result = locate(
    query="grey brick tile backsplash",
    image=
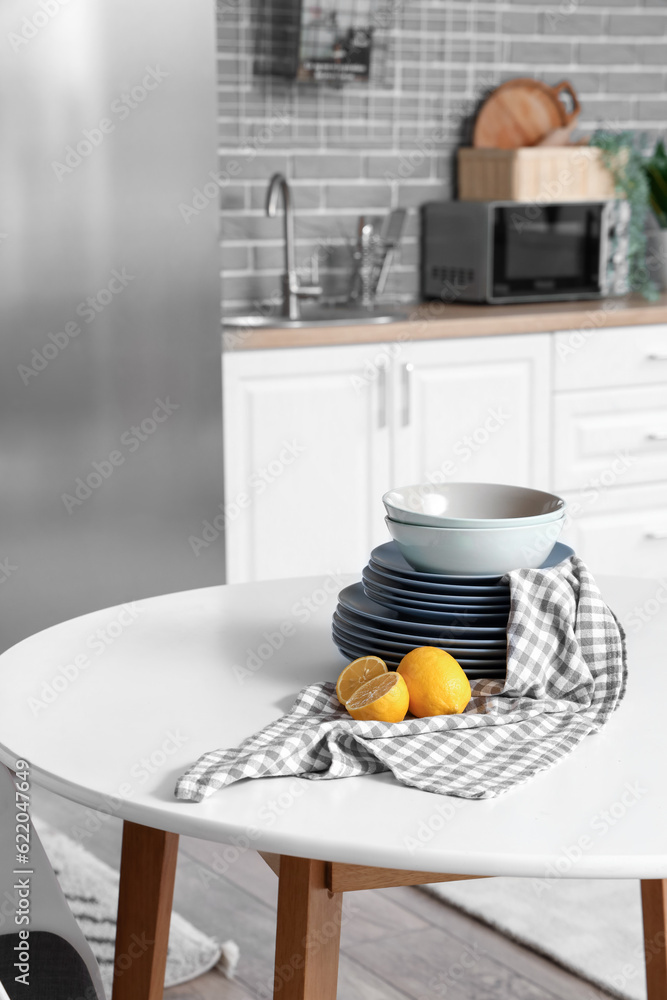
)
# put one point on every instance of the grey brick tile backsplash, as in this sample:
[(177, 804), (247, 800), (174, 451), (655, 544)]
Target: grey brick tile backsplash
[(400, 166), (648, 25), (367, 148), (233, 197), (332, 224), (250, 289), (237, 226), (414, 195), (362, 196), (652, 110), (584, 81), (519, 22), (267, 257), (542, 51), (565, 19), (610, 113), (607, 53), (235, 258), (653, 55), (636, 83), (241, 166), (329, 167)]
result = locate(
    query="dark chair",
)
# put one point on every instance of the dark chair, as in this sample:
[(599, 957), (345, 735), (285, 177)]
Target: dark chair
[(61, 964)]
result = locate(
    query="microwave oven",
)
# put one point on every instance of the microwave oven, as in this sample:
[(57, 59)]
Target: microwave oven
[(505, 251)]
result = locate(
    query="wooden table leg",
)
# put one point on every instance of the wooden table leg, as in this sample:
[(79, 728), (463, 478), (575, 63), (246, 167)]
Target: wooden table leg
[(654, 905), (147, 872), (308, 932)]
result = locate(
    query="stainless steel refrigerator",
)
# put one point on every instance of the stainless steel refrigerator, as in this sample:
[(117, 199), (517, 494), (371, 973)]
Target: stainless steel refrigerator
[(110, 436)]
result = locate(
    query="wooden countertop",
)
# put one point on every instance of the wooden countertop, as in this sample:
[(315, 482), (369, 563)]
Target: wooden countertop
[(436, 321)]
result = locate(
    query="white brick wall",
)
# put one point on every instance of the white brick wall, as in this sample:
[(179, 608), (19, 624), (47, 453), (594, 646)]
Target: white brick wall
[(367, 148)]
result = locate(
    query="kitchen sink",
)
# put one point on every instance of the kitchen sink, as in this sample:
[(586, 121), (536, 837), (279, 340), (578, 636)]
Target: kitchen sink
[(318, 316)]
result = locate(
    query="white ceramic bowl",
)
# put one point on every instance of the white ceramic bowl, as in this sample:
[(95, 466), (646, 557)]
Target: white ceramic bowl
[(475, 550), (472, 505)]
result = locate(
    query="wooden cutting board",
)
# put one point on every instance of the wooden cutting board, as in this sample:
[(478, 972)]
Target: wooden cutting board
[(522, 112)]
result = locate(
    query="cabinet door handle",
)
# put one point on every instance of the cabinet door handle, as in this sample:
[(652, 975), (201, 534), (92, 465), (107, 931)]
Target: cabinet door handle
[(656, 536), (656, 357), (408, 369), (657, 436), (382, 395)]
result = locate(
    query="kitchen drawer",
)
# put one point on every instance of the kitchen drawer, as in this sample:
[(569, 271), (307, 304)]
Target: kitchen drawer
[(589, 358), (617, 436), (620, 532)]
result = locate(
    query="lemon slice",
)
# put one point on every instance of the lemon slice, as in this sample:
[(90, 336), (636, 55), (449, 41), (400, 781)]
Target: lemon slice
[(381, 699), (357, 673)]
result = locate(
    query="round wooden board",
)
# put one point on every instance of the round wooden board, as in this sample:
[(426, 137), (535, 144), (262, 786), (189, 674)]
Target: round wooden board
[(521, 112)]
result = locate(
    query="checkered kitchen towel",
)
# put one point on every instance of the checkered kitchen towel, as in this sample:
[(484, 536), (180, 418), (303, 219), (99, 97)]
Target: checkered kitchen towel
[(566, 674)]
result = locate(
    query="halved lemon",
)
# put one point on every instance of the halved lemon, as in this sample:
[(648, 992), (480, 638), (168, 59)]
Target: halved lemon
[(356, 674), (381, 699)]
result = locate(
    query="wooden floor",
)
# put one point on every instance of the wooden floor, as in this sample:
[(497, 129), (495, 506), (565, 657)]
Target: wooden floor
[(397, 944)]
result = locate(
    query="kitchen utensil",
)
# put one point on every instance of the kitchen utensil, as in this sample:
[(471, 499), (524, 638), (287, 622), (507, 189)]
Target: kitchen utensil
[(416, 633), (349, 636), (355, 599), (558, 136), (395, 587), (482, 613), (414, 612), (434, 602), (390, 558), (420, 583), (491, 650), (521, 112), (390, 237), (472, 505), (474, 550), (362, 280), (474, 669)]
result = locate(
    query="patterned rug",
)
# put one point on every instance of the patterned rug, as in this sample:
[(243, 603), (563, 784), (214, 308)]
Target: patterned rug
[(593, 927), (91, 888)]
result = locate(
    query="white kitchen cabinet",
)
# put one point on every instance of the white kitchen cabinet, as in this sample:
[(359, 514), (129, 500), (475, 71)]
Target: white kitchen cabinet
[(620, 530), (475, 409), (610, 446), (620, 432), (306, 460), (597, 359), (314, 436)]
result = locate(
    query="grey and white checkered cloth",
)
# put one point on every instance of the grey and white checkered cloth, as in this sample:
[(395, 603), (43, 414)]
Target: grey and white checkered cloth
[(566, 674)]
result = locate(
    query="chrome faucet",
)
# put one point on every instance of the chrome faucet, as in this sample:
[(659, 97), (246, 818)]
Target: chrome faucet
[(292, 290)]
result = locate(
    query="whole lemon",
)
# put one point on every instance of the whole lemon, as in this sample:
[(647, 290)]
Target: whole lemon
[(436, 682)]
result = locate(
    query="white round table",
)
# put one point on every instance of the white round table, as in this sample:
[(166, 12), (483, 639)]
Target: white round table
[(110, 708)]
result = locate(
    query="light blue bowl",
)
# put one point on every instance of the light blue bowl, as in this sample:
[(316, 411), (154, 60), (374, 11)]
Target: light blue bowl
[(472, 505), (472, 551)]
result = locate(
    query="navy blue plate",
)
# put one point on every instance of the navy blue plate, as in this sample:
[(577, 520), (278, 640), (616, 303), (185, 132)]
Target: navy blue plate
[(356, 638), (455, 590), (355, 599), (418, 634), (476, 669)]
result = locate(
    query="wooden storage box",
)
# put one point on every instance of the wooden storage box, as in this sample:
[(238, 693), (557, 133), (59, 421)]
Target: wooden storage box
[(541, 174)]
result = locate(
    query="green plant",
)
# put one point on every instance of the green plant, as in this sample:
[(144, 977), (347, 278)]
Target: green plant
[(656, 173), (623, 158)]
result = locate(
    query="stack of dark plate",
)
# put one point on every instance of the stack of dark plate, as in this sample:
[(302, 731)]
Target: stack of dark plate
[(396, 608)]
